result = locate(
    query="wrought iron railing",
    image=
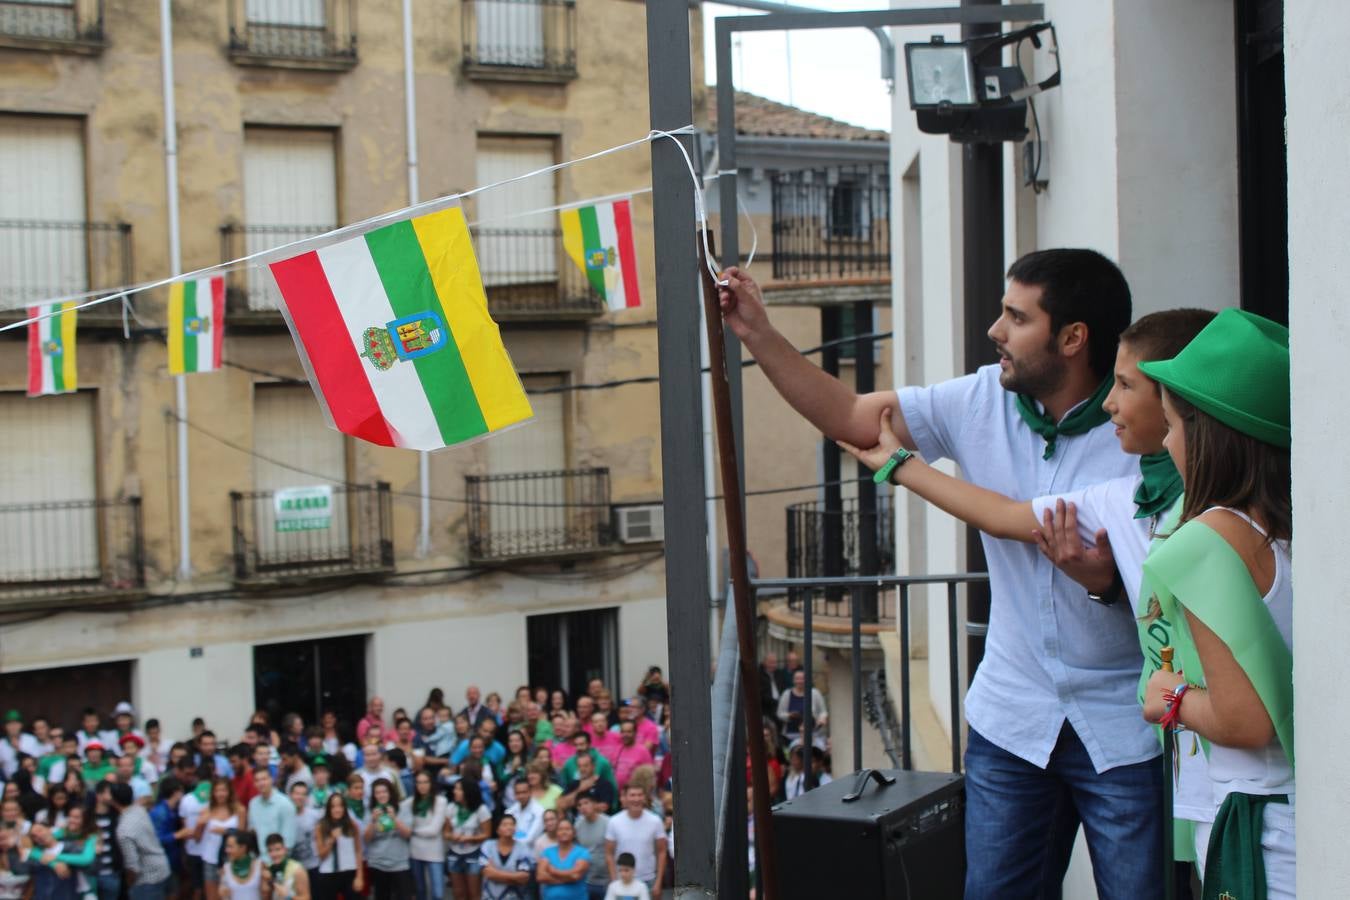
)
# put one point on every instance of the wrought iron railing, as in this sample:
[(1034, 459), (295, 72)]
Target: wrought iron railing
[(527, 275), (71, 548), (309, 33), (523, 38), (353, 536), (43, 259), (832, 223), (521, 515), (828, 542), (52, 21), (249, 292)]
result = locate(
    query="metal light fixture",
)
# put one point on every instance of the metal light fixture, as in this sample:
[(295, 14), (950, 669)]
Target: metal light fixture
[(963, 90)]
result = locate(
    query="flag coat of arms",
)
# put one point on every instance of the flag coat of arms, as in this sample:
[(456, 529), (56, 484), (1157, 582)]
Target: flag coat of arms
[(394, 329), (599, 239), (51, 350), (196, 325)]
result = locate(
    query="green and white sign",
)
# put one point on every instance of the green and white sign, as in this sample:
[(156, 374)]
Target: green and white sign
[(304, 508)]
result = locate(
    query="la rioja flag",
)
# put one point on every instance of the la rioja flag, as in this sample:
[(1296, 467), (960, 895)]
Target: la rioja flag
[(51, 350)]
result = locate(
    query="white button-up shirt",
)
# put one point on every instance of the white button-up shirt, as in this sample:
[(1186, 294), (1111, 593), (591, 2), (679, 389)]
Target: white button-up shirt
[(1051, 653)]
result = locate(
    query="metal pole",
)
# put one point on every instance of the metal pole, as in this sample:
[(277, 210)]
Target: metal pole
[(766, 859), (677, 285), (410, 116), (176, 267)]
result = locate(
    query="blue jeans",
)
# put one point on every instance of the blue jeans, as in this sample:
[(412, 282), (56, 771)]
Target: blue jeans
[(109, 886), (596, 891), (1021, 822), (429, 879), (155, 891)]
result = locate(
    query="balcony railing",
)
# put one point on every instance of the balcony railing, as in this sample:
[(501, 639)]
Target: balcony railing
[(526, 40), (832, 224), (823, 542), (528, 276), (527, 515), (306, 34), (250, 295), (75, 548), (71, 25), (354, 537), (42, 259)]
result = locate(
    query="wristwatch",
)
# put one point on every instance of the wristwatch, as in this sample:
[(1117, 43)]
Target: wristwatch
[(1111, 594), (898, 459)]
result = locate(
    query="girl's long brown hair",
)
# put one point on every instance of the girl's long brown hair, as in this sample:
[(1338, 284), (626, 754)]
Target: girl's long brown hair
[(325, 825), (1225, 467)]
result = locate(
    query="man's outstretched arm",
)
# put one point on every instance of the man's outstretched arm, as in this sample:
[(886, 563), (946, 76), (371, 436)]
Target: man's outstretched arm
[(823, 400)]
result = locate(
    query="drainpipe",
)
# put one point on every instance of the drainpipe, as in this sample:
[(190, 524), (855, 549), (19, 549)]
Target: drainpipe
[(883, 39), (176, 267), (410, 113)]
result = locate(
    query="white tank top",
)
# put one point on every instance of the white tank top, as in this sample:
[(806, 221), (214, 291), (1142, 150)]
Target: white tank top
[(1267, 770), (212, 840), (249, 888)]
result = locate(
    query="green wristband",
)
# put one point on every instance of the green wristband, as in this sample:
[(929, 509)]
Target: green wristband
[(897, 459)]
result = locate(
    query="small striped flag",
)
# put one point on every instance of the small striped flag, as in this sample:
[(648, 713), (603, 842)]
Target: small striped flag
[(196, 325), (51, 350), (394, 329), (599, 239)]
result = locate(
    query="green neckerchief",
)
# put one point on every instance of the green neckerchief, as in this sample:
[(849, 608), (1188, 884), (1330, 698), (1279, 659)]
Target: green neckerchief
[(278, 870), (356, 806), (1084, 417), (203, 790), (242, 866), (1197, 569), (1161, 485), (462, 814), (1234, 866), (422, 806)]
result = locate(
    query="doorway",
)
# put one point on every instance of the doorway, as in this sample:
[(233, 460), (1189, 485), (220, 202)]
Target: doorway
[(308, 677), (567, 650)]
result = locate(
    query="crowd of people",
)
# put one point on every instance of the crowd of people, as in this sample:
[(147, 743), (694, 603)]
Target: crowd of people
[(544, 796)]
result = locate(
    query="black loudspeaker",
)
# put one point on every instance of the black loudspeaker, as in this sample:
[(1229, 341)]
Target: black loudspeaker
[(884, 834)]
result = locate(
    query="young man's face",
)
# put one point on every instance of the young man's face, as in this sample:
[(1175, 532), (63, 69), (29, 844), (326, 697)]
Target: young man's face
[(522, 794), (207, 744), (1028, 352), (262, 780), (262, 755), (90, 723), (1135, 406), (300, 797), (634, 800), (40, 730), (626, 873), (506, 828), (276, 852)]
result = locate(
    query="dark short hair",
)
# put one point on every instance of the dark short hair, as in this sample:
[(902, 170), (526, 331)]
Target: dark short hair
[(120, 793), (208, 733), (168, 786), (274, 839), (506, 816), (239, 751), (1162, 335), (151, 723), (625, 859), (1080, 286), (262, 770), (290, 749)]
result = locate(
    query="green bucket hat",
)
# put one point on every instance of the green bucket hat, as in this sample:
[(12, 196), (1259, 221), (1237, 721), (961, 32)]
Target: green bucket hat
[(13, 716), (1236, 370)]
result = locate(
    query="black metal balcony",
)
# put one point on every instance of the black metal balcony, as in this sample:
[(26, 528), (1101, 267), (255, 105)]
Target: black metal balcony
[(832, 224), (525, 515), (296, 34), (72, 26), (44, 259), (825, 543), (528, 276), (520, 40), (64, 550), (250, 296), (354, 537)]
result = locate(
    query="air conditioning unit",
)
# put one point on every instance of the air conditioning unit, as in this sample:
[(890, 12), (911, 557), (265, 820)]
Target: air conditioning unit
[(640, 524)]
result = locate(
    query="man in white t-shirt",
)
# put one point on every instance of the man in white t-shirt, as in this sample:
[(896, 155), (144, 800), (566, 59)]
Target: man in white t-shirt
[(639, 831), (189, 809)]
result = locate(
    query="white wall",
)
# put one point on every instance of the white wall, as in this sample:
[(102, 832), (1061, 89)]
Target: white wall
[(174, 687), (1318, 128)]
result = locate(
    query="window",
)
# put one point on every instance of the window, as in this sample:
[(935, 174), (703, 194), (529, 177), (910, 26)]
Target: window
[(295, 13), (309, 677), (510, 32), (288, 426), (539, 446), (290, 193), (847, 209), (42, 209), (515, 249), (48, 447), (567, 650)]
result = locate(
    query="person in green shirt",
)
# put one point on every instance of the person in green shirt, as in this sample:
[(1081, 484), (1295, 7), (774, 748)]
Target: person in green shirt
[(97, 766), (582, 742)]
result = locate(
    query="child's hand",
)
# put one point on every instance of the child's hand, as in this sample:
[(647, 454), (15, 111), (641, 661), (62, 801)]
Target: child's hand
[(887, 443), (1159, 684)]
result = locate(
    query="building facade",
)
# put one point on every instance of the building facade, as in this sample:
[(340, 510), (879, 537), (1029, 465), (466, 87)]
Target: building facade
[(540, 560)]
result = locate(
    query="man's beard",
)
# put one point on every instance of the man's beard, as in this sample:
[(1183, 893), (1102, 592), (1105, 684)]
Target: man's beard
[(1034, 377)]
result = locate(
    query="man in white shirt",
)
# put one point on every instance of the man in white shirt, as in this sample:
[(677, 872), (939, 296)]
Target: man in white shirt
[(15, 742), (529, 815), (1055, 730), (639, 831)]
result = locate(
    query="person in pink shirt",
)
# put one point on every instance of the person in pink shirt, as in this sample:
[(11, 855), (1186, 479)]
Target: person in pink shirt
[(630, 754), (648, 732), (560, 748), (374, 716), (602, 739)]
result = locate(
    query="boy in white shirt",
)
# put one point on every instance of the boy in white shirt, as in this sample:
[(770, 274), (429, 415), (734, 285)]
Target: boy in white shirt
[(626, 886)]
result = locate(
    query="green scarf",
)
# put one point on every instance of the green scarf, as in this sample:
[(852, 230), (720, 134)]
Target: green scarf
[(278, 870), (1161, 485), (356, 806), (1085, 417), (1235, 866), (422, 806), (1197, 569), (242, 866)]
